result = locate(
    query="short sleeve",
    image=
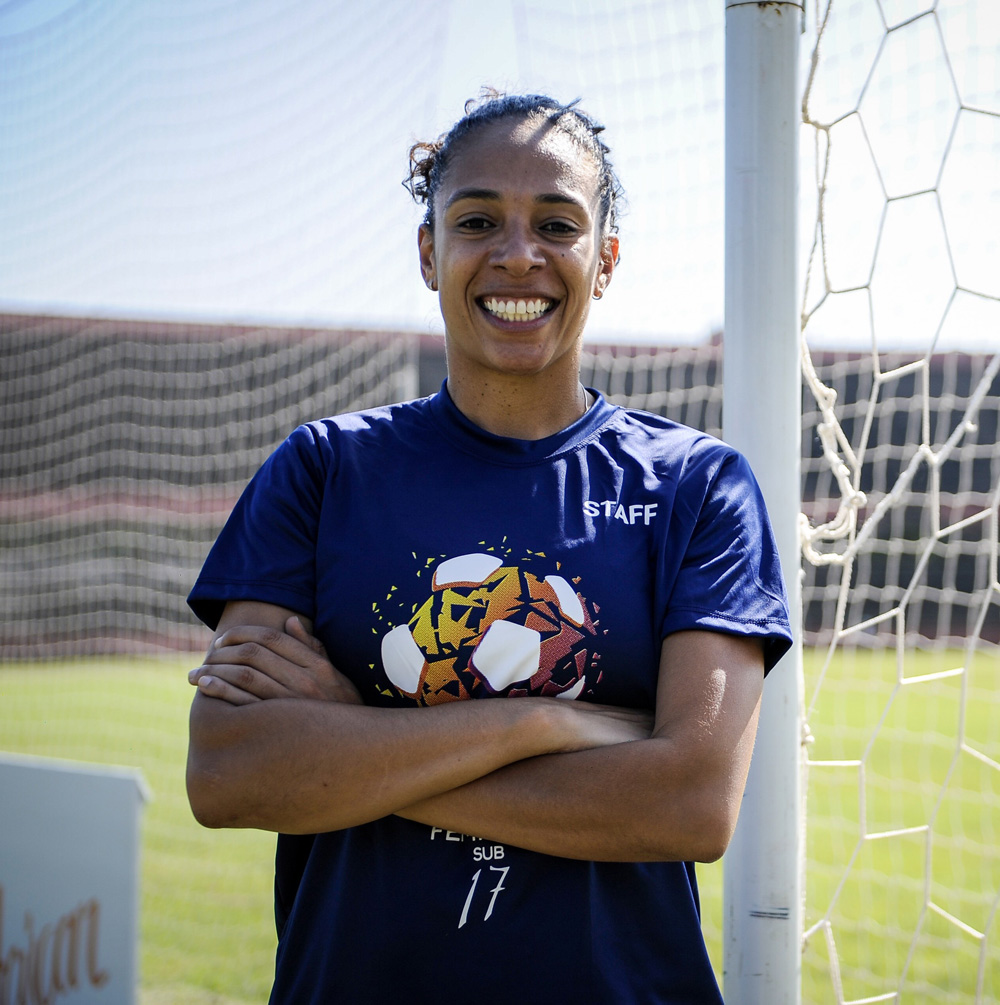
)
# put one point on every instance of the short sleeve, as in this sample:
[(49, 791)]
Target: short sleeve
[(729, 578), (266, 551)]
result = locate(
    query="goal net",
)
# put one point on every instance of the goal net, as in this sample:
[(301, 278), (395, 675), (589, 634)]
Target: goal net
[(901, 497), (125, 446)]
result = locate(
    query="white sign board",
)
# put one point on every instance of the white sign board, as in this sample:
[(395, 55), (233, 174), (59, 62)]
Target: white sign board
[(69, 882)]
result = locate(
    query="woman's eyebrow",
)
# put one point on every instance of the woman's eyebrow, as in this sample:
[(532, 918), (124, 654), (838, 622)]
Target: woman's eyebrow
[(458, 195), (561, 198), (491, 195)]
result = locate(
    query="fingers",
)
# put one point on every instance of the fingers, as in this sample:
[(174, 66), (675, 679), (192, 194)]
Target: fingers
[(235, 683), (295, 628), (253, 644), (270, 663), (639, 715), (248, 663), (267, 662), (613, 724), (216, 687)]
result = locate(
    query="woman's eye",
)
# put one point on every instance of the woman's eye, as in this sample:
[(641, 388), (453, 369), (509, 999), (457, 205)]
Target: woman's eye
[(474, 223), (559, 228)]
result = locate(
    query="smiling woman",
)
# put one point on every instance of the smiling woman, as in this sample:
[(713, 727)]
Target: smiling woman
[(518, 238), (389, 573)]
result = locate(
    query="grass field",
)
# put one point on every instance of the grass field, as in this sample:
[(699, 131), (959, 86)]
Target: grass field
[(207, 934), (931, 810), (206, 926)]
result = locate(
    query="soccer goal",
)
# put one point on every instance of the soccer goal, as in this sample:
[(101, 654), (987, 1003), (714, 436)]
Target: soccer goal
[(898, 743)]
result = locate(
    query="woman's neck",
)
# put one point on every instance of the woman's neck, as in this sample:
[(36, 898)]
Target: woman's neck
[(525, 408)]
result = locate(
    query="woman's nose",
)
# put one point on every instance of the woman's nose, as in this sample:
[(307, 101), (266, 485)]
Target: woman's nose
[(517, 251)]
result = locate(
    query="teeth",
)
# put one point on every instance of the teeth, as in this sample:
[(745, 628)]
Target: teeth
[(517, 310)]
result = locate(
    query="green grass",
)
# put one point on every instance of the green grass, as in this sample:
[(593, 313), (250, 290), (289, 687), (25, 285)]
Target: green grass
[(207, 931), (207, 934), (938, 806)]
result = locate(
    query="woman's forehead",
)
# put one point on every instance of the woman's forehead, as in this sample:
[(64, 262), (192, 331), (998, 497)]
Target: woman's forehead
[(517, 153)]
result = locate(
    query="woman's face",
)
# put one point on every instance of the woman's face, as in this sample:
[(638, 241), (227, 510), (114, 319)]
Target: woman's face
[(516, 251)]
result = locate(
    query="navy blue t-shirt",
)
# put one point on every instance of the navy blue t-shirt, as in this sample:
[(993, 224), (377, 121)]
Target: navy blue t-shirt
[(439, 562)]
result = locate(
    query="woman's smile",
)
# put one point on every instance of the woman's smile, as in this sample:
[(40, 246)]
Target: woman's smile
[(517, 310)]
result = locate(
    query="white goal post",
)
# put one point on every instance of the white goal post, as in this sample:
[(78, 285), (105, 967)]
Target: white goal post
[(763, 884), (900, 496)]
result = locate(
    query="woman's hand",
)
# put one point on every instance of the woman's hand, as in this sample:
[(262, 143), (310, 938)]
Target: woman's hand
[(585, 724), (249, 663)]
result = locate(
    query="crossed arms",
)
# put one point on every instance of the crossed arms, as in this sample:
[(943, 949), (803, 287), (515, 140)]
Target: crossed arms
[(280, 740)]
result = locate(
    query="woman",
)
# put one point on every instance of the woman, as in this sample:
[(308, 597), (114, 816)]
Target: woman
[(514, 535)]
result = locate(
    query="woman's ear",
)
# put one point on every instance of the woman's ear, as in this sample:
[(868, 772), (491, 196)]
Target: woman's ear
[(609, 259), (611, 248), (425, 246)]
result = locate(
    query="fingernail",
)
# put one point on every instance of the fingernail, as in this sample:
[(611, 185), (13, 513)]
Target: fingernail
[(205, 681)]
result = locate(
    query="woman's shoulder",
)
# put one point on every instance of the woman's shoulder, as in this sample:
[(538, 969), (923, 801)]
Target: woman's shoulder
[(662, 436), (322, 444), (373, 420)]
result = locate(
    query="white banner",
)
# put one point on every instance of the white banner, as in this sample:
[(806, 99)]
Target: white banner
[(69, 882)]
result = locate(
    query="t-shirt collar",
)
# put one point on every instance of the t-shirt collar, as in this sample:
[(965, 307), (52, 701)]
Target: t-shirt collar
[(507, 449)]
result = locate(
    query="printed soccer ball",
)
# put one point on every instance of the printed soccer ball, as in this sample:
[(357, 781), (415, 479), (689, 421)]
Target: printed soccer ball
[(493, 626)]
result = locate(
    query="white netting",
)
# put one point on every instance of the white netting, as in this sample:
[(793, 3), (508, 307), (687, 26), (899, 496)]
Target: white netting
[(124, 447), (901, 499), (684, 384), (234, 161)]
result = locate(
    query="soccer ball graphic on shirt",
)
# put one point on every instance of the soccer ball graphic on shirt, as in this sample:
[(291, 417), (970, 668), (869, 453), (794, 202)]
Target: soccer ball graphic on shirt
[(488, 627)]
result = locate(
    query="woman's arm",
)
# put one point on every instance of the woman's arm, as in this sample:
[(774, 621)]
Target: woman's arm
[(675, 796), (324, 762)]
